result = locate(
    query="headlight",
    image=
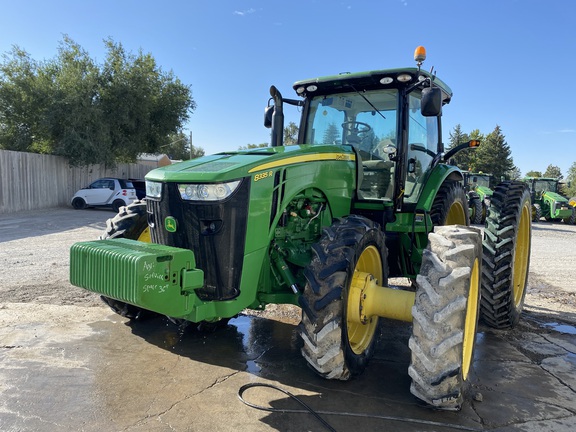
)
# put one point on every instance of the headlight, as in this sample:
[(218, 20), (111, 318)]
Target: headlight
[(207, 192), (153, 189)]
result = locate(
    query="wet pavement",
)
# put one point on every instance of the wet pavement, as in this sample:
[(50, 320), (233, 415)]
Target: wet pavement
[(88, 369)]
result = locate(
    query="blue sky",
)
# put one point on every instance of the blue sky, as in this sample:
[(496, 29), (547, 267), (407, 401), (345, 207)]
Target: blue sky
[(509, 62)]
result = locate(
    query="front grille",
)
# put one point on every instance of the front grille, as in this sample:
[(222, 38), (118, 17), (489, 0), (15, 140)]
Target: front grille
[(214, 231)]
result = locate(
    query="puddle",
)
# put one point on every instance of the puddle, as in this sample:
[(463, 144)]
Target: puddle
[(245, 327), (561, 328)]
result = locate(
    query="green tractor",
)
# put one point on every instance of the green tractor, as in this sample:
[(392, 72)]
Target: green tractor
[(547, 201), (479, 195), (364, 196)]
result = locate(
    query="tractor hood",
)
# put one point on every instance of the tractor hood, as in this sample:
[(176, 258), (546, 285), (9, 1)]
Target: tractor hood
[(485, 191), (553, 196), (234, 165)]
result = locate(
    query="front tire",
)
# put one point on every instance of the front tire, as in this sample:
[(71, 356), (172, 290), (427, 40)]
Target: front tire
[(79, 203), (536, 213), (477, 211), (335, 347), (445, 316), (131, 223), (506, 249)]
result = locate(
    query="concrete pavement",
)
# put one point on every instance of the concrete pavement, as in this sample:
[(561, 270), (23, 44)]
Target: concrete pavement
[(88, 369)]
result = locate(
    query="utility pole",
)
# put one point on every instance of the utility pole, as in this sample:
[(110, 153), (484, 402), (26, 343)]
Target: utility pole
[(190, 143)]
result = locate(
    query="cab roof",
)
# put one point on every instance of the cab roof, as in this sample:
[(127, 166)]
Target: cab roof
[(370, 80)]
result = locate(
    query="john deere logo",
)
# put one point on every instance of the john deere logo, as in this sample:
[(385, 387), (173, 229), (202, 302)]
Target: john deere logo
[(170, 224)]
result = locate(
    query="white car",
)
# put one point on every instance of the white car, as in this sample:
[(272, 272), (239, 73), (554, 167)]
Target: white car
[(105, 192)]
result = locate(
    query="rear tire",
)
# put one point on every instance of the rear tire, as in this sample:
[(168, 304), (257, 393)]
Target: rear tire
[(334, 347), (506, 254), (450, 205), (117, 204), (445, 315)]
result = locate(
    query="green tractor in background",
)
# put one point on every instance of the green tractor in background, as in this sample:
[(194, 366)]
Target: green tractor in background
[(547, 201), (364, 196), (479, 195)]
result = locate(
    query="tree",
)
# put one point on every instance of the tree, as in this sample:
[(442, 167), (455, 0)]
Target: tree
[(570, 188), (494, 156), (21, 99), (553, 172), (91, 114), (179, 147), (533, 174), (463, 158), (291, 134), (515, 174), (331, 135), (290, 137), (253, 146)]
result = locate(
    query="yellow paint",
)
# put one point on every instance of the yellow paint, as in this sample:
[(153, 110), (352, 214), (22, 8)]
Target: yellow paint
[(362, 333), (145, 236), (471, 320), (305, 158), (522, 252), (368, 299)]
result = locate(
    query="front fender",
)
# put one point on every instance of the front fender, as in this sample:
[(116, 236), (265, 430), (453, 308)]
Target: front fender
[(438, 175)]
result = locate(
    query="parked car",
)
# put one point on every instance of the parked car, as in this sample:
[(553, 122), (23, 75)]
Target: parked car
[(105, 192), (140, 186)]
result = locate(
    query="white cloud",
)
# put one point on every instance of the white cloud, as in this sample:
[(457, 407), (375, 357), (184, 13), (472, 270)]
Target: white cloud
[(562, 131), (245, 12)]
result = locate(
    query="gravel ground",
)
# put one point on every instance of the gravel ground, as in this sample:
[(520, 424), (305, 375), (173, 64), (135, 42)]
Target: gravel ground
[(34, 260)]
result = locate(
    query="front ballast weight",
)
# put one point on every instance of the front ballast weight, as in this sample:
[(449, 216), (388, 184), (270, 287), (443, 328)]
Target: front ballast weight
[(152, 276)]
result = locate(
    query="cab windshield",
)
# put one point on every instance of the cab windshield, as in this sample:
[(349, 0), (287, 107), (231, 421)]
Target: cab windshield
[(480, 180), (545, 186), (366, 121)]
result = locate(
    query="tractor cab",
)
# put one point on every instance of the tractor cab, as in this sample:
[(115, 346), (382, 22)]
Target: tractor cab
[(389, 119), (476, 180)]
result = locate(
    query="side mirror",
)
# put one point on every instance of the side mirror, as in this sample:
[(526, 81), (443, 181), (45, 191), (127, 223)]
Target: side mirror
[(268, 111), (431, 104)]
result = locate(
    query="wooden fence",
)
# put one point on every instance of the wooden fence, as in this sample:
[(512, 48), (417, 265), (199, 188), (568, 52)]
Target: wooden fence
[(30, 181)]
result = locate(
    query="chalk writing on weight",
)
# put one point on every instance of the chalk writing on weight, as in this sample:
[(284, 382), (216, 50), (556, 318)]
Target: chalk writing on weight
[(153, 275), (155, 287)]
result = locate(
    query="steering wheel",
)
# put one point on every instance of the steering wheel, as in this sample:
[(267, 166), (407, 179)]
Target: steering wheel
[(353, 126)]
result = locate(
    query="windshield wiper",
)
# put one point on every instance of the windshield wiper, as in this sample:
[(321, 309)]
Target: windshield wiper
[(367, 101)]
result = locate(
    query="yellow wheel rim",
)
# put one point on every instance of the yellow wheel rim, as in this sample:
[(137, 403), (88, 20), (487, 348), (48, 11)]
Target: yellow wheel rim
[(521, 253), (145, 236), (471, 320), (361, 335), (456, 214)]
